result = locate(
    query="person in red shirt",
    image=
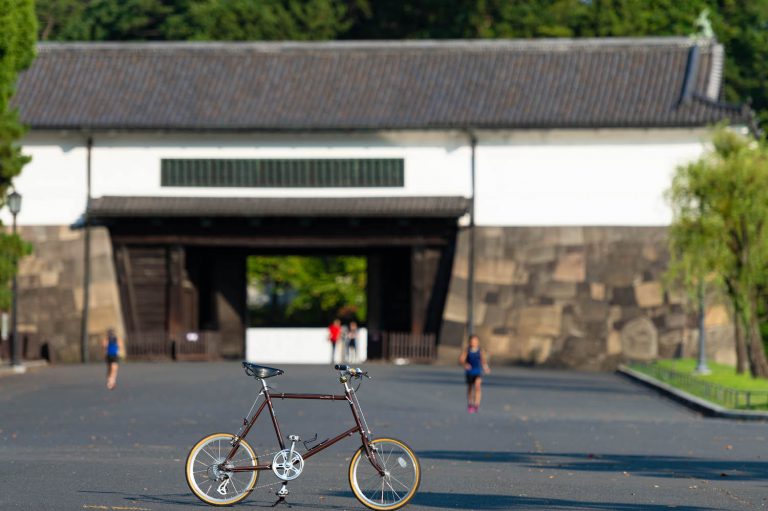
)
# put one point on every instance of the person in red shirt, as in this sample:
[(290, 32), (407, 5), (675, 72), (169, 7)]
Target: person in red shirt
[(334, 334)]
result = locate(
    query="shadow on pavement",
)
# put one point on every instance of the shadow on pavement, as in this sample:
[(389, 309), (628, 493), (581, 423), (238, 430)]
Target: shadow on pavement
[(523, 383), (653, 466), (486, 501)]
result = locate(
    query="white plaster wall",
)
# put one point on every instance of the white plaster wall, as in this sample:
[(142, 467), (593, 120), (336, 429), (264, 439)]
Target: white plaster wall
[(298, 346), (53, 184), (580, 178), (130, 164), (588, 177)]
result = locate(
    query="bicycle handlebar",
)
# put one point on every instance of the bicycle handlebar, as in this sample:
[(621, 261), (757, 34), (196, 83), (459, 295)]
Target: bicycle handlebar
[(351, 371)]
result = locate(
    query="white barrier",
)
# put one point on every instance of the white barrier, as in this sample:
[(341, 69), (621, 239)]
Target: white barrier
[(298, 346)]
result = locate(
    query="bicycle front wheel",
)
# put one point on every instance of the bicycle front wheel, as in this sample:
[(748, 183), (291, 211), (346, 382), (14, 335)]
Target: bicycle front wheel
[(398, 485), (208, 476)]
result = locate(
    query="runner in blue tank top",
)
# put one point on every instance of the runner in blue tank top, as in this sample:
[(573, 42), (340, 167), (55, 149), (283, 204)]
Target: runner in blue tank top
[(475, 365), (114, 347)]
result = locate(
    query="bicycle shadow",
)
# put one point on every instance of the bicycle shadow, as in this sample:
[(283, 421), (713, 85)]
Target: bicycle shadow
[(187, 500), (480, 501), (649, 466)]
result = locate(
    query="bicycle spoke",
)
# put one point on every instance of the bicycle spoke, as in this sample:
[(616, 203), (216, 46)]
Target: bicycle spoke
[(399, 481), (393, 490), (209, 454), (388, 456)]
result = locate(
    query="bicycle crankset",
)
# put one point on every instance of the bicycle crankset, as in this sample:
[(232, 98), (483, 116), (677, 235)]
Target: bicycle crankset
[(287, 464)]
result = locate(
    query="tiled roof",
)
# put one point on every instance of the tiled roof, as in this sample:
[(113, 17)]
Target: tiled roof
[(361, 207), (559, 83)]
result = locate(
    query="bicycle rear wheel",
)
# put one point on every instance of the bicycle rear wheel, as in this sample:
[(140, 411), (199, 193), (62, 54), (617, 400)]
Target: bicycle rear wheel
[(398, 485), (213, 484)]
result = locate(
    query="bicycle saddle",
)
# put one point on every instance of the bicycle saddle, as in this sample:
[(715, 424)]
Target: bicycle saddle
[(261, 372)]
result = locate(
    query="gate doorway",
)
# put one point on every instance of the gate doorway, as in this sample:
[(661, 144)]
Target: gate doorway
[(183, 272)]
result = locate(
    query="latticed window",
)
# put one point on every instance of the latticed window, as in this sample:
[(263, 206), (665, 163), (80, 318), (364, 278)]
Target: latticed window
[(283, 173)]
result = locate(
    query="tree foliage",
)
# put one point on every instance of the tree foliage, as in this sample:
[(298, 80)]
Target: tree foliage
[(307, 290), (225, 20), (18, 29), (720, 233), (741, 25)]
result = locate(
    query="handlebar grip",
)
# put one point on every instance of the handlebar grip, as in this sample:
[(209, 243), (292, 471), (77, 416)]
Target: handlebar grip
[(341, 367)]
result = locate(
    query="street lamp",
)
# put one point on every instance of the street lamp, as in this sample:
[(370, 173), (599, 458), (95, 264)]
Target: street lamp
[(14, 205)]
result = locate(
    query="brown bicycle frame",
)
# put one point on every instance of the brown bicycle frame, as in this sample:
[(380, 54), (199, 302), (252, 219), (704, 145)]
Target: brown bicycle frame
[(347, 396)]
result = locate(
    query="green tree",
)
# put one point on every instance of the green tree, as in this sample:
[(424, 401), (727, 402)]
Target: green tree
[(244, 20), (18, 26), (309, 290), (226, 20), (720, 229)]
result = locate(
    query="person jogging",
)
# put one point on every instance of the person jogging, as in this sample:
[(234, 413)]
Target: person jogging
[(114, 348), (475, 366)]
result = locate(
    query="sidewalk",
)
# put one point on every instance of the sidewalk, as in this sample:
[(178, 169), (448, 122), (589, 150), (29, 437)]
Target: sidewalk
[(7, 370)]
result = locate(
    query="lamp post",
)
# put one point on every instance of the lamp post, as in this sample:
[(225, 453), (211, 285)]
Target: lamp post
[(701, 366), (14, 205)]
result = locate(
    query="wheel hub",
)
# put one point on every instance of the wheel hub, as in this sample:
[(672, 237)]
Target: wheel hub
[(215, 471)]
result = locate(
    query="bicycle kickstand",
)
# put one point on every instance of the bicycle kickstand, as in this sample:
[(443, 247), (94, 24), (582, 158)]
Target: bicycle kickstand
[(281, 494)]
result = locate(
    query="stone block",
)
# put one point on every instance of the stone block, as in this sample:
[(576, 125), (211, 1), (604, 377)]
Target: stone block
[(539, 349), (650, 253), (65, 233), (717, 316), (640, 339), (456, 308), (649, 294), (613, 343), (597, 291), (495, 316), (543, 320), (480, 310), (592, 310), (495, 271), (571, 267), (557, 290), (452, 334), (570, 235), (675, 320), (624, 296), (104, 293), (571, 326), (539, 254)]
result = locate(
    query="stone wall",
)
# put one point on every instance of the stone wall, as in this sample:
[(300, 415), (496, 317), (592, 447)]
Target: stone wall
[(581, 297), (51, 292)]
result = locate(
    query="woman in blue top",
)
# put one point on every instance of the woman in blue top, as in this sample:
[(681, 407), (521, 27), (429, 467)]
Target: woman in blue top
[(475, 365), (114, 348)]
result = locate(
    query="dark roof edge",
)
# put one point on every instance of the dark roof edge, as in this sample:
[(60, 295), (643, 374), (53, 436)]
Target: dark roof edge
[(740, 115), (546, 44)]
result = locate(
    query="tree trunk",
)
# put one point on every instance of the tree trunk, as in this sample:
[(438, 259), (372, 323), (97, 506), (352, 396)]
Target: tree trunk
[(741, 345), (757, 363), (739, 332)]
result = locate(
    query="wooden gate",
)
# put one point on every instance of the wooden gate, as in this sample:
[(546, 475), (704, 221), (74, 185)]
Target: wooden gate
[(408, 346), (163, 346)]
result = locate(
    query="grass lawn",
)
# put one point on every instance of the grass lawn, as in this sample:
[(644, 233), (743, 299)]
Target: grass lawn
[(680, 373)]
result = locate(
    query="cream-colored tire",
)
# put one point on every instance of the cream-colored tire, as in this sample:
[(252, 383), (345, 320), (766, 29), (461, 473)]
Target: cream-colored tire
[(207, 481), (398, 485)]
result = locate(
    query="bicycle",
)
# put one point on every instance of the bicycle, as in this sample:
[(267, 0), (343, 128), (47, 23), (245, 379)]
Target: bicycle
[(222, 468)]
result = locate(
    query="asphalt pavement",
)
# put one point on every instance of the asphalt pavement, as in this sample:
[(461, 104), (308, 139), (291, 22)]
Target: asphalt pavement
[(543, 440)]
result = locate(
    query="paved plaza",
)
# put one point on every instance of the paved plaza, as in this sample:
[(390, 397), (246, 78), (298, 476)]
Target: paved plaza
[(543, 440)]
